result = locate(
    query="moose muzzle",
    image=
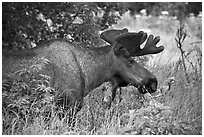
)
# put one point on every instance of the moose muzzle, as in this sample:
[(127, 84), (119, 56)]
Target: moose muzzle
[(148, 83)]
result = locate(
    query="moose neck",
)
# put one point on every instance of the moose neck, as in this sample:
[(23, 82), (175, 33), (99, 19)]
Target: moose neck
[(96, 65)]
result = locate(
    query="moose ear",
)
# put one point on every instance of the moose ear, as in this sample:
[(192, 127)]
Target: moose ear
[(131, 41), (109, 35), (120, 50)]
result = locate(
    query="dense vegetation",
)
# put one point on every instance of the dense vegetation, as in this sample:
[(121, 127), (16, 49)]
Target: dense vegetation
[(39, 22), (28, 107)]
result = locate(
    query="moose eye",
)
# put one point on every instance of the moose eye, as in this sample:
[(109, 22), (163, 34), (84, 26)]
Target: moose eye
[(131, 62)]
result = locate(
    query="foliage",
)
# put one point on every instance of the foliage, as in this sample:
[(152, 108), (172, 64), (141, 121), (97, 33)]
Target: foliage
[(180, 37), (27, 109), (152, 119), (25, 97), (196, 66), (27, 23)]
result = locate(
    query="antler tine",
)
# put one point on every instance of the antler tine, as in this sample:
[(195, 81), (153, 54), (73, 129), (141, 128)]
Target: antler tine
[(144, 36), (150, 46)]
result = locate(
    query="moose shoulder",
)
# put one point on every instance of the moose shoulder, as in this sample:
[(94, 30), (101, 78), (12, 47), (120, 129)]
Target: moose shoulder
[(76, 70)]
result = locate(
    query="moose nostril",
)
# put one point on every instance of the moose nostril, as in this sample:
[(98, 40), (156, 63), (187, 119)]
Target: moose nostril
[(150, 84), (153, 86)]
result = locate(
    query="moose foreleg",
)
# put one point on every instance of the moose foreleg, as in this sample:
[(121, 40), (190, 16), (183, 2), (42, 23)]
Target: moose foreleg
[(119, 94), (110, 93), (107, 95), (115, 87)]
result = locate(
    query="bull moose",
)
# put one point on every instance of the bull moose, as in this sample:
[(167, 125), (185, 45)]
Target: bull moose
[(77, 69)]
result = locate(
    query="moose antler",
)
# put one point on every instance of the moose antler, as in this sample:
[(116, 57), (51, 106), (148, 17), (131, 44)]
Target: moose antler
[(132, 42), (150, 46), (109, 35)]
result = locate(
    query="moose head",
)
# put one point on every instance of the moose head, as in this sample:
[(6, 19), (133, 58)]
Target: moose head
[(126, 45)]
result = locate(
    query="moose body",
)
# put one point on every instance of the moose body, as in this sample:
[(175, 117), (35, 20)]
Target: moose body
[(73, 69), (76, 69)]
